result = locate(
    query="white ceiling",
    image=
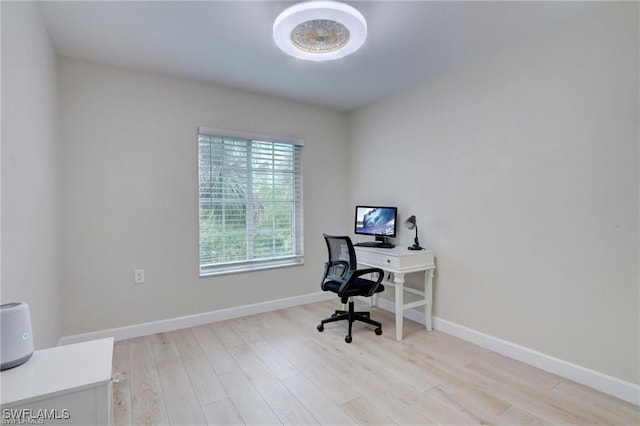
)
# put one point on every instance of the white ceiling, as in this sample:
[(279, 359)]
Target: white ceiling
[(230, 43)]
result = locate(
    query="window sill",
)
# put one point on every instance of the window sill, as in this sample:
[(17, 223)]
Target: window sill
[(226, 270)]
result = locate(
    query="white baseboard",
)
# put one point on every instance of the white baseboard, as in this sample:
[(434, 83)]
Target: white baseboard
[(162, 326), (622, 389)]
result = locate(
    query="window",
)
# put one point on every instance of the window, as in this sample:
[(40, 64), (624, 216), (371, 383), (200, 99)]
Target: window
[(250, 201)]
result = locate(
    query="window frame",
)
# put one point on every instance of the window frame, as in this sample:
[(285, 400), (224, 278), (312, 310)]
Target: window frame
[(248, 265)]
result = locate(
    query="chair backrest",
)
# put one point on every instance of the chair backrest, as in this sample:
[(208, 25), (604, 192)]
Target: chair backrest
[(341, 250)]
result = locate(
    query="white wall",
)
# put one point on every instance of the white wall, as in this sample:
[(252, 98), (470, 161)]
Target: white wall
[(30, 170), (130, 194), (522, 169)]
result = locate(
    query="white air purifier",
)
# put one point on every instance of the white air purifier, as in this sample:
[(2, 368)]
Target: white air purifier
[(16, 339)]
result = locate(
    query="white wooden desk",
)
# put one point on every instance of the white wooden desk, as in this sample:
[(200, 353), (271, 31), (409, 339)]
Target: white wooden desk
[(400, 261)]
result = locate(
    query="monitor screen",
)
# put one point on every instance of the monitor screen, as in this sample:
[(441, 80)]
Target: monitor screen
[(371, 220)]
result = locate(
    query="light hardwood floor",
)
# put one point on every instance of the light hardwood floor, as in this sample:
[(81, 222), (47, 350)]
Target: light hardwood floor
[(276, 368)]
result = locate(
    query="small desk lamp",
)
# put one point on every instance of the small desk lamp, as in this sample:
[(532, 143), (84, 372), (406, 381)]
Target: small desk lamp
[(410, 224)]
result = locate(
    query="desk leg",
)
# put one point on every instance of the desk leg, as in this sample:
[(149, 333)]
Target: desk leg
[(373, 300), (398, 280), (428, 297)]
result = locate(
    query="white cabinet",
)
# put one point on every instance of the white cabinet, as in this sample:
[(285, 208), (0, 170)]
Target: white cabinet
[(68, 385)]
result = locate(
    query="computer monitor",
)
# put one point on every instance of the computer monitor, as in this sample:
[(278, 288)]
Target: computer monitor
[(377, 221)]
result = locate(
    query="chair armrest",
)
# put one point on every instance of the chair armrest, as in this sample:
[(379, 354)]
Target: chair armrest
[(329, 271), (360, 272)]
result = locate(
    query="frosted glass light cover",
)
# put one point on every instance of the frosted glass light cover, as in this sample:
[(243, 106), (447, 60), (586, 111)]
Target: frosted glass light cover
[(320, 30)]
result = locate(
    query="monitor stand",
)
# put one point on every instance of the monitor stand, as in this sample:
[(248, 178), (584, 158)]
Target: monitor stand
[(383, 242), (380, 242), (381, 239)]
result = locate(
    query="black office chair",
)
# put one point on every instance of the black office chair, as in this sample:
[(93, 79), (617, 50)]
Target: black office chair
[(341, 276)]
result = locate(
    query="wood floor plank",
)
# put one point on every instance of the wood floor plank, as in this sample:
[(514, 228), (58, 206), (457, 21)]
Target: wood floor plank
[(247, 400), (366, 413), (298, 322), (245, 329), (285, 336), (147, 401), (205, 381), (283, 403), (318, 403), (393, 359), (163, 346), (534, 400), (454, 408), (527, 373), (222, 413), (121, 385), (399, 397), (180, 399), (283, 331), (518, 416), (276, 368), (322, 374), (622, 411), (218, 356), (226, 334), (447, 371), (278, 365), (439, 408), (452, 376), (441, 346)]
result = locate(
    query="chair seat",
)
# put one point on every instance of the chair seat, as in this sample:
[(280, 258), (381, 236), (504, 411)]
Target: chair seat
[(359, 287)]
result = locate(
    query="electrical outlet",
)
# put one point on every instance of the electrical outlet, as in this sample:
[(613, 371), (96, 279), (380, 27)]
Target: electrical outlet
[(138, 276)]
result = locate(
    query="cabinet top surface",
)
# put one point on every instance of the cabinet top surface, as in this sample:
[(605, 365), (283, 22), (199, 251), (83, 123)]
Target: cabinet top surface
[(58, 370), (396, 251)]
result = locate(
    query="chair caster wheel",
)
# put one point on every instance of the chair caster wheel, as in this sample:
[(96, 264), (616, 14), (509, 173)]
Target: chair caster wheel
[(320, 328), (378, 331), (348, 339)]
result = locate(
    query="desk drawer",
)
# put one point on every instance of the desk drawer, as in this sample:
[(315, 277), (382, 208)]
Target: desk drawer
[(392, 261), (378, 259), (370, 257)]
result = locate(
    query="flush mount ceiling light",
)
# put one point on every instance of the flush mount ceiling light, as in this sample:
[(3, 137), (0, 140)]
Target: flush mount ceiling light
[(320, 30)]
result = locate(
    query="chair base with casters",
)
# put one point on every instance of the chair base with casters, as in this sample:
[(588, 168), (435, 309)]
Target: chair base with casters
[(351, 316), (342, 277)]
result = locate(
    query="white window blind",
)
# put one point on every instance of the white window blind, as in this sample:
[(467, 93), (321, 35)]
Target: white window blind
[(250, 202)]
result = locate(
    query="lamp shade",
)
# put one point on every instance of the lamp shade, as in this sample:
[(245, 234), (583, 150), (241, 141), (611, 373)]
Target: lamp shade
[(411, 223)]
